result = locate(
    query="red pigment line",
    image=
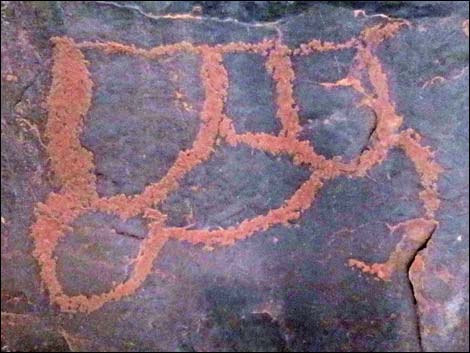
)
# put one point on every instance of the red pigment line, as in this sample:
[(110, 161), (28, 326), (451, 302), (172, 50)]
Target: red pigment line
[(379, 100), (215, 80), (153, 53), (300, 151), (143, 263), (240, 47), (427, 168), (415, 233), (172, 49), (349, 81), (52, 222), (291, 210), (279, 65), (68, 102), (388, 121), (316, 45)]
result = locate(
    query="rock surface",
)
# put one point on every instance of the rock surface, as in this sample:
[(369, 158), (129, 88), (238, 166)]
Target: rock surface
[(235, 176)]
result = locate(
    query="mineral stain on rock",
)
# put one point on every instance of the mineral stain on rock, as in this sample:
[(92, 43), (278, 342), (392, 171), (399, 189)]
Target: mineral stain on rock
[(206, 182)]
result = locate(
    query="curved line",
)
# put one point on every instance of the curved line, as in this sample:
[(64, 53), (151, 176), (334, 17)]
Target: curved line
[(214, 79)]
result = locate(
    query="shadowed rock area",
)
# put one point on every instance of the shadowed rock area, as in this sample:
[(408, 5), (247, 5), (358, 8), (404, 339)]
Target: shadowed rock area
[(235, 176)]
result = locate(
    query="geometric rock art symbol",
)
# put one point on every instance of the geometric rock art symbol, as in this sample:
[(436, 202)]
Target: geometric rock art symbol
[(70, 98)]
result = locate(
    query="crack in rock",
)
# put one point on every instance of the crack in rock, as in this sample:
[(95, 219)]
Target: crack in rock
[(413, 286)]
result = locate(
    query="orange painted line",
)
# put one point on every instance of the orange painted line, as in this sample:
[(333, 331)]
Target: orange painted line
[(415, 233), (290, 211), (279, 65), (215, 81), (69, 101), (316, 45), (427, 168), (172, 49)]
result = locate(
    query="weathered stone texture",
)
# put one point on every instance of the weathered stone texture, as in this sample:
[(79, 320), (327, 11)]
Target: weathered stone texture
[(235, 176)]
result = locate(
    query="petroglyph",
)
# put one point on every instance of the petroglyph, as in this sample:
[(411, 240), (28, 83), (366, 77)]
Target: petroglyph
[(70, 98)]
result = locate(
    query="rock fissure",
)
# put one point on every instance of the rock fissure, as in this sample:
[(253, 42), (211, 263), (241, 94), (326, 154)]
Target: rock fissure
[(412, 285)]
